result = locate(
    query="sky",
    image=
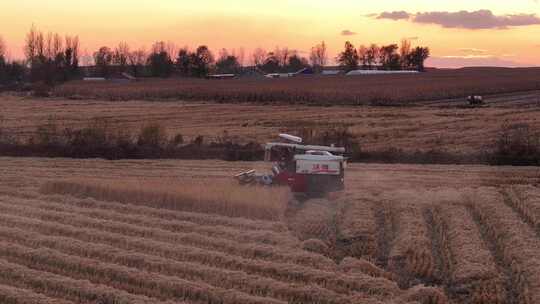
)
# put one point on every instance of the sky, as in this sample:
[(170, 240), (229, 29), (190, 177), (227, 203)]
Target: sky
[(458, 32)]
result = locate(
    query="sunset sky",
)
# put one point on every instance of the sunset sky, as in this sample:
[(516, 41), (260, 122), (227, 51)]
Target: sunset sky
[(459, 32)]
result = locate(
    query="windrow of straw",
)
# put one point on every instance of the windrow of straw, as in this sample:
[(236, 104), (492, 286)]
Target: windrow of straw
[(357, 229), (12, 295), (469, 266), (57, 286), (224, 232), (253, 284), (125, 278), (251, 251), (206, 196), (411, 252), (285, 272), (526, 201), (516, 243)]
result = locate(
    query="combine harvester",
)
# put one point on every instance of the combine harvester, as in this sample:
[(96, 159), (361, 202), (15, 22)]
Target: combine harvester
[(306, 169)]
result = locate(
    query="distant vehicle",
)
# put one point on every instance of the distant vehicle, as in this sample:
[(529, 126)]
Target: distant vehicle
[(221, 76), (305, 169), (475, 100)]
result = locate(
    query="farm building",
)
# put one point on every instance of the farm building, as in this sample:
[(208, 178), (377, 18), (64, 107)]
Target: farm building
[(377, 72)]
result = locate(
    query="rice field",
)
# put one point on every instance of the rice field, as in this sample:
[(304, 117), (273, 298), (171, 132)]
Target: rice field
[(442, 125), (93, 231)]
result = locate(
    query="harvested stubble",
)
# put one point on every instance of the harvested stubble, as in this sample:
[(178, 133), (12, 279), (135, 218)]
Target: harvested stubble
[(78, 291), (357, 229), (251, 251), (316, 246), (468, 264), (516, 243), (354, 265), (315, 220), (12, 295), (252, 284), (425, 295), (207, 196), (411, 247), (526, 200), (286, 272)]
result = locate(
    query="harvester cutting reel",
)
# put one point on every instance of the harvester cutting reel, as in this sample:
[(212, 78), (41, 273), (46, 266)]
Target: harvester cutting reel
[(252, 178)]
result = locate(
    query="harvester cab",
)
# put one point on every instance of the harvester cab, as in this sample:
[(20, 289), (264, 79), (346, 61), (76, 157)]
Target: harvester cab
[(304, 168)]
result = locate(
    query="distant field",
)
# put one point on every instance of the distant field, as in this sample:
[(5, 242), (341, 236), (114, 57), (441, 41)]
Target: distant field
[(327, 90), (444, 124), (467, 232)]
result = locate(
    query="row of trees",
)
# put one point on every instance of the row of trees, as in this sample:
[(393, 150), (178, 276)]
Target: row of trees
[(51, 57), (164, 59), (388, 57)]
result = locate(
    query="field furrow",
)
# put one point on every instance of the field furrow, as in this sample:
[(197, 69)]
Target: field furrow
[(283, 239), (13, 295), (238, 280), (61, 287), (357, 229), (124, 278), (411, 249), (526, 201), (469, 268), (286, 272), (252, 251), (517, 244)]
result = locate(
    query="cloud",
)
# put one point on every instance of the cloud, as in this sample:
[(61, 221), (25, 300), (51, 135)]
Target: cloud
[(481, 19), (372, 15), (472, 51), (473, 20), (348, 33), (395, 15), (414, 38)]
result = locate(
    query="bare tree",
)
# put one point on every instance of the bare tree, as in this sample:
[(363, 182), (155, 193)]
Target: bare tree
[(404, 53), (71, 54), (348, 59), (282, 55), (103, 59), (318, 55), (363, 55), (259, 56), (389, 57), (30, 47), (121, 55), (372, 55), (418, 56), (137, 60), (57, 44)]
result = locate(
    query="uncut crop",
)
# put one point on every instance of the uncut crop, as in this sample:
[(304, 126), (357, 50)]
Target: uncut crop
[(379, 89)]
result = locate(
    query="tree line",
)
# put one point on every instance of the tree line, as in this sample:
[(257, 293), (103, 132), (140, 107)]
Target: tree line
[(50, 58), (386, 57)]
